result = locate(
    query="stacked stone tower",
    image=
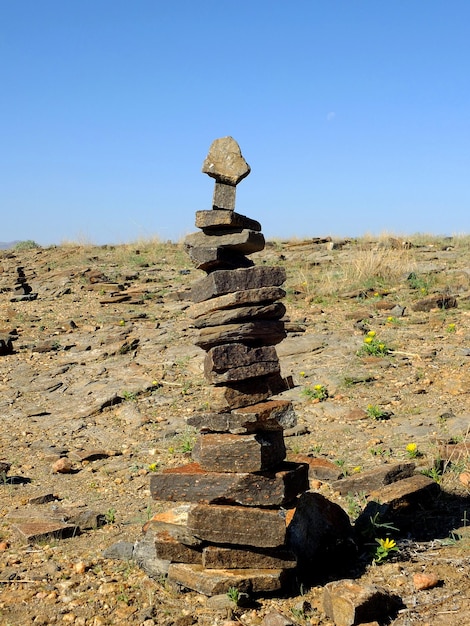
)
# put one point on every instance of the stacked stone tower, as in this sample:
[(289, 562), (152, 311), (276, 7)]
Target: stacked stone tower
[(232, 530)]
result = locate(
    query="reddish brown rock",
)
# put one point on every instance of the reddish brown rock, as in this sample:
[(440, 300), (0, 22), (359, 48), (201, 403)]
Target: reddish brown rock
[(62, 466), (190, 483), (219, 557), (264, 332), (227, 281), (423, 580), (237, 525), (348, 603), (398, 495), (225, 452), (225, 219), (273, 311), (235, 299), (215, 581)]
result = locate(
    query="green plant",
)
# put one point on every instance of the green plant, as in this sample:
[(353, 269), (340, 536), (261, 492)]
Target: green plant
[(373, 346), (412, 451), (434, 472), (355, 503), (375, 412), (130, 396), (233, 594), (317, 392), (29, 244), (451, 328), (383, 550), (110, 516)]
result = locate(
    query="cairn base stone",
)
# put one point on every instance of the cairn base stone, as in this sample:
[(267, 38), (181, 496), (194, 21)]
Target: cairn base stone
[(220, 557), (211, 582)]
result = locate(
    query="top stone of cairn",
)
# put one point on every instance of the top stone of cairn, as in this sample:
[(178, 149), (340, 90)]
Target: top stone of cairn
[(225, 162)]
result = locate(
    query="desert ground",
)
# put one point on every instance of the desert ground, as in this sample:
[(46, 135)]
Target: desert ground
[(99, 371)]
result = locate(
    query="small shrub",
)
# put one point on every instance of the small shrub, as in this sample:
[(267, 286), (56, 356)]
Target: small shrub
[(29, 244)]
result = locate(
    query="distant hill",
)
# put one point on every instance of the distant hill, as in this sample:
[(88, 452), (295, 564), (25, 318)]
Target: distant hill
[(9, 244)]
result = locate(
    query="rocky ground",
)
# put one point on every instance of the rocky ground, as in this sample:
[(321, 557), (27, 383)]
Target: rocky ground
[(98, 373)]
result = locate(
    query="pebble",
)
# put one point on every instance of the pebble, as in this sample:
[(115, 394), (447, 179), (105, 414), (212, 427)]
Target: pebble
[(465, 479), (62, 466), (425, 581)]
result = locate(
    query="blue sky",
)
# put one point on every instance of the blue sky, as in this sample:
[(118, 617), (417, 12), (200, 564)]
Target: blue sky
[(353, 115)]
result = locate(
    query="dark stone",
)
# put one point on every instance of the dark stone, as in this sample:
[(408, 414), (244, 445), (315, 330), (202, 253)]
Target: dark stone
[(320, 535), (223, 198), (190, 483), (259, 332), (435, 302), (213, 582), (209, 220), (224, 452), (220, 557), (272, 311), (269, 415), (227, 281), (365, 482), (238, 525), (244, 241), (238, 298), (247, 392), (211, 259)]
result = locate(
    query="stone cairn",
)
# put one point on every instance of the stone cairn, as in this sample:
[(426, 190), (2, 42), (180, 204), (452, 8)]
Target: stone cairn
[(229, 528)]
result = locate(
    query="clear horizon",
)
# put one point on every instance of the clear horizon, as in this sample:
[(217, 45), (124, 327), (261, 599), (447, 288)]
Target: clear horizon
[(352, 116)]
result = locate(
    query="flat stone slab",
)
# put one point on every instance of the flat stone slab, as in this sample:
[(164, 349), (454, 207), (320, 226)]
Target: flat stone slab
[(245, 241), (224, 219), (173, 521), (234, 395), (219, 557), (347, 602), (237, 525), (369, 481), (225, 162), (263, 414), (222, 282), (190, 483), (228, 356), (272, 311), (212, 582), (167, 548), (44, 531), (238, 298), (269, 415), (261, 368), (226, 452), (265, 332), (211, 259)]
